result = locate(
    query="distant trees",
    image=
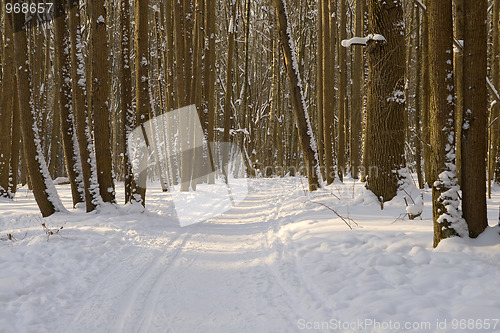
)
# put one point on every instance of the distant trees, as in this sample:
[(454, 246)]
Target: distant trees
[(271, 83)]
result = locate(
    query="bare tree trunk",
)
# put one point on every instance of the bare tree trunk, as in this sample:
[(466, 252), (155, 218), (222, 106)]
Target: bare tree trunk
[(357, 90), (418, 102), (305, 132), (342, 58), (446, 214), (386, 100), (475, 110), (6, 107), (128, 115), (143, 106), (228, 111), (100, 103), (328, 96), (63, 89), (80, 108), (319, 90), (429, 178), (43, 188), (459, 80)]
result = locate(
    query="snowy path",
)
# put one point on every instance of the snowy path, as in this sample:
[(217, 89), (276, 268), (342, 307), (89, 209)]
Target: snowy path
[(273, 263)]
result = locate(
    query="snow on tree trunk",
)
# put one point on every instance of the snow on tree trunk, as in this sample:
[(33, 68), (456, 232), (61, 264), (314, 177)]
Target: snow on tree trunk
[(306, 134), (447, 216), (44, 190)]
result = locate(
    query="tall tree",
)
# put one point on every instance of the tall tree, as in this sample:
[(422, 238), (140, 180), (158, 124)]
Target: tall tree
[(43, 188), (305, 132), (328, 94), (6, 106), (63, 89), (342, 100), (357, 89), (447, 217), (386, 100), (143, 106), (99, 100), (80, 109), (475, 111), (127, 112)]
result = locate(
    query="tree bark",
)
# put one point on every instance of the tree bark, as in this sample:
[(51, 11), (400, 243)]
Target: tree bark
[(42, 186), (80, 108), (99, 100), (305, 132), (475, 110), (386, 100), (447, 222), (6, 107), (63, 89), (357, 90)]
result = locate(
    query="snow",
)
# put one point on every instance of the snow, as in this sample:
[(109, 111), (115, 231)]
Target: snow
[(362, 40), (276, 262)]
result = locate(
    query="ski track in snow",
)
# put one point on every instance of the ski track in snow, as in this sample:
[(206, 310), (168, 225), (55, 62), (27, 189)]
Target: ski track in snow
[(270, 261)]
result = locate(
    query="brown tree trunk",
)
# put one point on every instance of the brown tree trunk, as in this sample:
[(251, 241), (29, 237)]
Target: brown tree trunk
[(305, 132), (210, 76), (386, 101), (6, 107), (459, 81), (418, 102), (143, 106), (429, 178), (342, 58), (43, 188), (357, 90), (475, 110), (319, 90), (99, 99), (447, 222), (80, 108), (328, 95), (63, 89), (128, 116)]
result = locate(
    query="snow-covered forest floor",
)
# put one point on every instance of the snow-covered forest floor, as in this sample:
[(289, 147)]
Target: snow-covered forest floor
[(279, 261)]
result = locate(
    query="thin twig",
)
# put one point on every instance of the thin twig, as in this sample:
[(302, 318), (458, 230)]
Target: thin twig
[(333, 210)]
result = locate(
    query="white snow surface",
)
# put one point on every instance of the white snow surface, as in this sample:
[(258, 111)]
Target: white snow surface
[(362, 40), (276, 262)]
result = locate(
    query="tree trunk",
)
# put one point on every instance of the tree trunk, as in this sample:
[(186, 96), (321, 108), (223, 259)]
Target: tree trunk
[(475, 110), (6, 107), (386, 100), (100, 103), (342, 60), (63, 89), (445, 205), (418, 103), (305, 132), (319, 90), (328, 96), (128, 115), (80, 108), (357, 90), (459, 81), (143, 106), (43, 189)]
